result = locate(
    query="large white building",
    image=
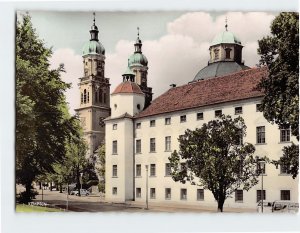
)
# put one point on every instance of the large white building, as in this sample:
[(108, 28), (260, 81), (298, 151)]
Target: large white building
[(140, 133)]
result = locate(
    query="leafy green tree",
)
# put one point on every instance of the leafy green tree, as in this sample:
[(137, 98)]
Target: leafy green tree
[(101, 167), (280, 105), (215, 158), (41, 125)]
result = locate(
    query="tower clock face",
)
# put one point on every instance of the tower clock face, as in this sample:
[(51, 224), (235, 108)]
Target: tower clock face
[(101, 121)]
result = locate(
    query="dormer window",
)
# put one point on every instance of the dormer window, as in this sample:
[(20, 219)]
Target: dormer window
[(227, 51)]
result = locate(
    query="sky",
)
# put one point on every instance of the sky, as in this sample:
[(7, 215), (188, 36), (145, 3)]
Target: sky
[(175, 43)]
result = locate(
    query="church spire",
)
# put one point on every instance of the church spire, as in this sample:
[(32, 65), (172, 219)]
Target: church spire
[(94, 30), (226, 25), (138, 43)]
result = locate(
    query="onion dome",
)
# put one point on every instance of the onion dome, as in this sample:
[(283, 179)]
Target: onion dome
[(128, 87), (138, 58), (93, 46)]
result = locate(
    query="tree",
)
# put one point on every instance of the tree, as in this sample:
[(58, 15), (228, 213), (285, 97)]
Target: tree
[(280, 105), (101, 167), (41, 124), (215, 158)]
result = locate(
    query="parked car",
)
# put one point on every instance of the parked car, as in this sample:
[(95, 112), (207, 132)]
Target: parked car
[(83, 192), (285, 206)]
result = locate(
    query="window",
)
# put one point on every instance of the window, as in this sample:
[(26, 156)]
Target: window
[(104, 97), (84, 96), (168, 194), (285, 135), (115, 147), (115, 126), (152, 123), (168, 169), (258, 195), (183, 194), (138, 125), (152, 170), (167, 121), (138, 193), (227, 50), (238, 110), (258, 106), (81, 97), (200, 116), (168, 143), (115, 171), (200, 194), (183, 118), (138, 170), (152, 193), (138, 146), (114, 191), (216, 51), (285, 195), (261, 170), (88, 97), (260, 135), (100, 96), (239, 195), (218, 113), (96, 96), (152, 144)]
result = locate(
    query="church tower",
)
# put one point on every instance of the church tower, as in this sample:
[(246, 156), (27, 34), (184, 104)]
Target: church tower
[(94, 92), (138, 63)]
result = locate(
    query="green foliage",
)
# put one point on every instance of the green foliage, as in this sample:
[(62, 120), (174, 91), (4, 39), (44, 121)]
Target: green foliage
[(42, 126), (101, 161), (280, 53), (215, 159)]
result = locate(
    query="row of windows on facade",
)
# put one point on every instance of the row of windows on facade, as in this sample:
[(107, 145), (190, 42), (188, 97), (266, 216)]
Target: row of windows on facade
[(239, 194), (199, 116), (260, 139), (227, 53), (100, 97), (168, 170)]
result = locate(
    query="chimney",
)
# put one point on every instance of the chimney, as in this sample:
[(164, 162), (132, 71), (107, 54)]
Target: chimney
[(173, 85)]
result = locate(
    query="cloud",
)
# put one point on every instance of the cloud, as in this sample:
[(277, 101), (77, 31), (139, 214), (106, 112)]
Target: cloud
[(177, 56), (74, 70)]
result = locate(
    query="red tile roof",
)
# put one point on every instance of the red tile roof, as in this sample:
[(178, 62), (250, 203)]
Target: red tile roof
[(128, 87), (236, 86)]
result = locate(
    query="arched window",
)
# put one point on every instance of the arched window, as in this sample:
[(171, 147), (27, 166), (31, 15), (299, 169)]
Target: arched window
[(88, 97), (104, 97), (96, 96), (100, 96), (81, 97), (84, 96), (216, 51)]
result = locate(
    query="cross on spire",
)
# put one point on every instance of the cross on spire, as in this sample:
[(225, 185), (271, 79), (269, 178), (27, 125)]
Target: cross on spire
[(138, 29), (94, 17), (226, 23)]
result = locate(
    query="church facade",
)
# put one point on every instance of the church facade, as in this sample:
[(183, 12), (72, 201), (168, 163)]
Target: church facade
[(140, 134)]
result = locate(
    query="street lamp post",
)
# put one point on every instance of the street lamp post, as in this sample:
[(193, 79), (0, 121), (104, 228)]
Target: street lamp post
[(146, 187), (81, 174), (261, 163)]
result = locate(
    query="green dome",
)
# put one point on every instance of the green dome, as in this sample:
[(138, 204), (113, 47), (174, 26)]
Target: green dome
[(225, 38), (93, 47), (138, 59)]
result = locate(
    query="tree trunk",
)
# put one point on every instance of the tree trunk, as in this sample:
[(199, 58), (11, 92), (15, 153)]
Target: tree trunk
[(28, 191), (60, 187), (40, 185), (78, 181), (220, 204)]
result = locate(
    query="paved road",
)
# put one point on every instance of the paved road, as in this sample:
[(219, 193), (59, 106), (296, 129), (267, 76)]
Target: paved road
[(94, 203)]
